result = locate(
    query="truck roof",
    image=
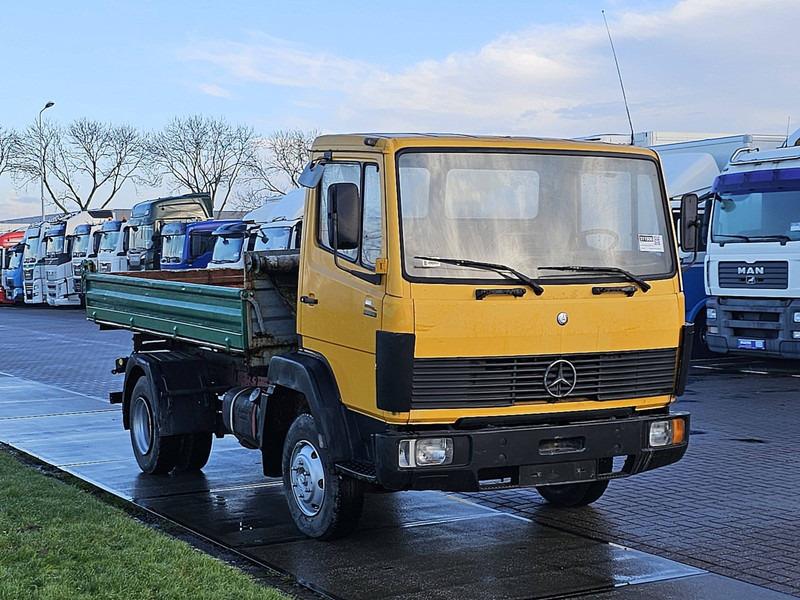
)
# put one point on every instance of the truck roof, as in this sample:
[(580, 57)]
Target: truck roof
[(172, 206), (11, 238), (779, 158), (391, 142)]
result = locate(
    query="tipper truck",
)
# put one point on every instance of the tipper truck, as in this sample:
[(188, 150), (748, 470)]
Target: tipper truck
[(463, 313)]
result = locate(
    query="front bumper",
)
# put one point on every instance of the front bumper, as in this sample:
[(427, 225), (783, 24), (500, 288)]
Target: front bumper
[(754, 326), (494, 457)]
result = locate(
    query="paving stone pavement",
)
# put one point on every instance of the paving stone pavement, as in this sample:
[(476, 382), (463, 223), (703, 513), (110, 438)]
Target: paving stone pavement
[(730, 507)]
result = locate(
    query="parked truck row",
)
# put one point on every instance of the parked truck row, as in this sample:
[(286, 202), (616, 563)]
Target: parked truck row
[(43, 263)]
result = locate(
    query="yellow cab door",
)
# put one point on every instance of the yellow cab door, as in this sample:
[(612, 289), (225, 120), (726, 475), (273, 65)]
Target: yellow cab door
[(340, 308)]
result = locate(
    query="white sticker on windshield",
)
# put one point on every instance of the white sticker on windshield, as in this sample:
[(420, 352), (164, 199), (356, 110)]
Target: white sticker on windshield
[(651, 242), (795, 227)]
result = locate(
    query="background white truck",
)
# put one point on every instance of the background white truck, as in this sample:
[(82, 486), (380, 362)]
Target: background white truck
[(753, 254)]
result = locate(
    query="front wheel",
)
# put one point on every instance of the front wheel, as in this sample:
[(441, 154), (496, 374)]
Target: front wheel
[(570, 495), (323, 504)]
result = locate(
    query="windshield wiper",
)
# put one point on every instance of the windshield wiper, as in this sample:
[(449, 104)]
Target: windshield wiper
[(499, 269), (643, 285), (776, 237), (731, 235)]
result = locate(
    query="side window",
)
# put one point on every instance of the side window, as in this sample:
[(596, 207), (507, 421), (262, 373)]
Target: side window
[(335, 173), (371, 230)]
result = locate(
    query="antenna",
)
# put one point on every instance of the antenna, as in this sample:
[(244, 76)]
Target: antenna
[(788, 128), (619, 73)]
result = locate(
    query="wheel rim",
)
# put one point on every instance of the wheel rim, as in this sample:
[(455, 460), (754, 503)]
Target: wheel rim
[(308, 478), (142, 425)]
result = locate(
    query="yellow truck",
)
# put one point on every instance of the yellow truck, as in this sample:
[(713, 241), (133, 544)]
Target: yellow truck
[(464, 313)]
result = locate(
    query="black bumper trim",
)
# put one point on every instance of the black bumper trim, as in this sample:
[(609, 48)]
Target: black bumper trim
[(513, 453)]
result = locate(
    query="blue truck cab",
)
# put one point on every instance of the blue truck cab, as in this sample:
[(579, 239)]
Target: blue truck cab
[(189, 245), (13, 280)]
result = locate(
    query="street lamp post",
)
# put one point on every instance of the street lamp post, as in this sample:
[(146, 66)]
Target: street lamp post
[(41, 140)]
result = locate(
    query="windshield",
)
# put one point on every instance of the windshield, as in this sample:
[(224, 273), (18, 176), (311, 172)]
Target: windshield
[(532, 210), (273, 238), (81, 245), (142, 237), (54, 245), (31, 249), (15, 260), (108, 241), (173, 247), (227, 249), (746, 217)]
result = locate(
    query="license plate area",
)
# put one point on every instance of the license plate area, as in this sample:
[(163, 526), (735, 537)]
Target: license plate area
[(566, 472), (751, 344)]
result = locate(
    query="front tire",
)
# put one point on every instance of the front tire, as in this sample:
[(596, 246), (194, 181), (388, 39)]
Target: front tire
[(324, 504), (155, 453), (571, 495)]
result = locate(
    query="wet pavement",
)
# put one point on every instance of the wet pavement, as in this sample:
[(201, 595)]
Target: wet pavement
[(429, 544)]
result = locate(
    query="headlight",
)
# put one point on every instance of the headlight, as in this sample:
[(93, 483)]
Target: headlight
[(425, 452), (796, 317), (667, 433), (796, 335), (711, 314)]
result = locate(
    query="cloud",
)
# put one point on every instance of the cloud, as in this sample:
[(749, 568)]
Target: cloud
[(214, 90), (703, 65), (14, 206)]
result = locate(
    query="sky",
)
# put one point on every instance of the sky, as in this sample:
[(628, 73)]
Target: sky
[(535, 67)]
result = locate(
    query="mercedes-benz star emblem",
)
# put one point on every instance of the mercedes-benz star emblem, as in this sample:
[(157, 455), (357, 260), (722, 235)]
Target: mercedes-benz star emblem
[(560, 378), (562, 318)]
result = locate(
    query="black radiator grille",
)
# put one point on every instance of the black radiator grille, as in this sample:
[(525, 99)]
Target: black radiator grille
[(771, 275), (503, 381)]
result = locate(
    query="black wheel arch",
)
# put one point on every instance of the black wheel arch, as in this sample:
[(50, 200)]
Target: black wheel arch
[(180, 385), (311, 375)]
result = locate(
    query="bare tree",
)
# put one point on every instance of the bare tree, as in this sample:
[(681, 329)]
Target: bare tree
[(85, 164), (201, 154), (9, 147), (276, 167)]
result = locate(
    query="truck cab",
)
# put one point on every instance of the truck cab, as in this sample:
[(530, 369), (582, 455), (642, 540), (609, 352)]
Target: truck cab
[(275, 225), (33, 264), (753, 256), (189, 245), (149, 217), (9, 260), (85, 246), (59, 271), (112, 247)]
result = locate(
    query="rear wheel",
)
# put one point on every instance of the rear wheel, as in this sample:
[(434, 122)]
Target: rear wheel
[(156, 454), (700, 344), (324, 504), (570, 495), (195, 448)]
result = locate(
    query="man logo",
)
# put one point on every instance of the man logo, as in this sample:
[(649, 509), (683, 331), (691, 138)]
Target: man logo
[(750, 271), (750, 280), (560, 378)]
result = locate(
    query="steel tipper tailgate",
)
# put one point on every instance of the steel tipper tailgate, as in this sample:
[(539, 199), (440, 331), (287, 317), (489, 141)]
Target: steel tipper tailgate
[(244, 316)]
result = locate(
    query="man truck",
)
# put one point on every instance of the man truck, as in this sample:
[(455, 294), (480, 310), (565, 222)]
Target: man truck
[(59, 274), (33, 264), (189, 245), (753, 254), (463, 313)]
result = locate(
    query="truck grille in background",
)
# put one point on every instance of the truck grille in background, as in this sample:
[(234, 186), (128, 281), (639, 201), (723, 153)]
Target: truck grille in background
[(503, 381), (770, 275)]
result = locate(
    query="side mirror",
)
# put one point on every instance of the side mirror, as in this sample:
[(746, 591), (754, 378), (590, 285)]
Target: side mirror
[(344, 216), (690, 226)]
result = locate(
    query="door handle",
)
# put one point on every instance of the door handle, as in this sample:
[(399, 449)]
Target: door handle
[(307, 300)]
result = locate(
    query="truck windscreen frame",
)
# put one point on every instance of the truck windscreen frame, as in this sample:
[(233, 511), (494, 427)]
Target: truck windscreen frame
[(532, 208)]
